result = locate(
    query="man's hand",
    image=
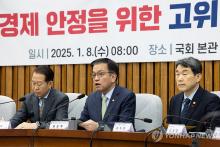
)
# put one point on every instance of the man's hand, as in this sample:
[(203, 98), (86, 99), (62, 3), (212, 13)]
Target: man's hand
[(89, 125), (26, 125)]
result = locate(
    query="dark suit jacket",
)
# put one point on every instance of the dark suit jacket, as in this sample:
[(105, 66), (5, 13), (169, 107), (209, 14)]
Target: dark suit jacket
[(30, 108), (122, 102), (202, 103)]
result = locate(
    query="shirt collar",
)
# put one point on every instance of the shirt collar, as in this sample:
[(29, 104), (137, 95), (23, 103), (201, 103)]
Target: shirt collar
[(45, 97), (108, 95), (192, 95)]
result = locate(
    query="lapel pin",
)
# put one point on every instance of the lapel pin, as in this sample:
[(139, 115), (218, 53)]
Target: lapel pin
[(193, 103)]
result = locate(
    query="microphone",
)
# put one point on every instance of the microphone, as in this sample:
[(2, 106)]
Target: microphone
[(212, 117), (196, 128), (147, 120), (78, 97), (177, 116), (21, 100)]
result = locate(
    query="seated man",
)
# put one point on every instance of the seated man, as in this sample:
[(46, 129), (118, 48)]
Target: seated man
[(110, 103), (193, 102), (43, 104)]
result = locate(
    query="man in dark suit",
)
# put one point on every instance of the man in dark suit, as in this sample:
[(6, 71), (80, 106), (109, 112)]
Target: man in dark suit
[(193, 102), (110, 103), (44, 104)]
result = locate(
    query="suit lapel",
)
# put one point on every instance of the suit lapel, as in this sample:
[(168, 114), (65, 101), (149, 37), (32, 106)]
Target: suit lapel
[(48, 103), (179, 106), (35, 104), (98, 106), (195, 102), (112, 102)]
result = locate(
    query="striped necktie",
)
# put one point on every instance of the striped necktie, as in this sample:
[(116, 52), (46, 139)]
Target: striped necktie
[(185, 110), (41, 107), (104, 105)]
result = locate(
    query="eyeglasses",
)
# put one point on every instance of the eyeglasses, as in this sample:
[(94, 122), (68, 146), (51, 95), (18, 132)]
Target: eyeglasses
[(38, 84), (99, 74)]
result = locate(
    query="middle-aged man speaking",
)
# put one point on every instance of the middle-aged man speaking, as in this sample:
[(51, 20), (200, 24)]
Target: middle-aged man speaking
[(110, 103), (43, 104)]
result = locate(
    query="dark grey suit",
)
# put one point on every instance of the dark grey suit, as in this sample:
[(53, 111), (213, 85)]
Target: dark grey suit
[(55, 108)]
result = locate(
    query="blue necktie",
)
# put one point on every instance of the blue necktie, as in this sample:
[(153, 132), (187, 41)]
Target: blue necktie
[(185, 110)]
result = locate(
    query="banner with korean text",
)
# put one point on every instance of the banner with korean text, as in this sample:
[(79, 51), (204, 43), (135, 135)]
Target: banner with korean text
[(77, 32)]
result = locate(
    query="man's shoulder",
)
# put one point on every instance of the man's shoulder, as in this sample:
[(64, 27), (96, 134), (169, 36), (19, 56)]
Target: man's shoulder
[(118, 89), (178, 96), (27, 96), (58, 93), (211, 96), (94, 94), (122, 90)]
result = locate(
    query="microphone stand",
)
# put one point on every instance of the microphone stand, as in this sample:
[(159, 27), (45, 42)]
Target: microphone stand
[(100, 128), (195, 141), (160, 129)]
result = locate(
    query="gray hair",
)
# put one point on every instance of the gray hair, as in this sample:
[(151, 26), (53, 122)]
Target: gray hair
[(192, 63)]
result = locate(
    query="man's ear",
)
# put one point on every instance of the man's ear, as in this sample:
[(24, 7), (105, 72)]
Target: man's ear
[(198, 77), (50, 84), (114, 76)]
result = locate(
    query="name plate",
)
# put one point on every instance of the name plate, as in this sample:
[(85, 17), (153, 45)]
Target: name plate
[(176, 129), (5, 125), (123, 127), (216, 134), (60, 125)]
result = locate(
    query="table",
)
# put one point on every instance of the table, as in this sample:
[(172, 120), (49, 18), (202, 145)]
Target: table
[(80, 138)]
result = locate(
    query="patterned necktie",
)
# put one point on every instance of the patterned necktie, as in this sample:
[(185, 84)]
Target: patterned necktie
[(185, 110), (41, 107), (104, 105)]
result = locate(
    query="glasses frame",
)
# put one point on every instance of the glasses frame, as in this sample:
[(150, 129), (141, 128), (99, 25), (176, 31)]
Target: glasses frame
[(100, 74)]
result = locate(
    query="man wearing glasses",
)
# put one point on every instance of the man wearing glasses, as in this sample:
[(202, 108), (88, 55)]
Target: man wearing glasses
[(44, 104), (110, 103)]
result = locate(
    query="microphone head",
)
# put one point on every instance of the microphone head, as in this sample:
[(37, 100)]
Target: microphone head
[(80, 96), (147, 120), (22, 99)]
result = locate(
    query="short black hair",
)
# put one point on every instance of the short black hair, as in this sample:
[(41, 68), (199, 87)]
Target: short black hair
[(45, 70), (112, 65), (192, 63)]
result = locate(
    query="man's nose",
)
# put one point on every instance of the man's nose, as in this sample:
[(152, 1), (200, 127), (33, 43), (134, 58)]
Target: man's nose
[(179, 78), (96, 78), (35, 88)]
